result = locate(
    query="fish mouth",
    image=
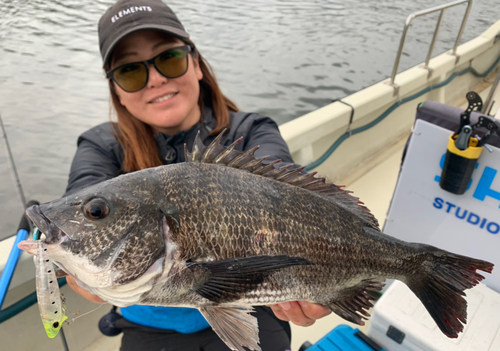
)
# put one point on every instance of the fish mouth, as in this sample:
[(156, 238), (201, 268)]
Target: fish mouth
[(53, 234), (68, 262)]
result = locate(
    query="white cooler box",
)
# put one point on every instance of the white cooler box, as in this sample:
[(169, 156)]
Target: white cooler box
[(400, 322)]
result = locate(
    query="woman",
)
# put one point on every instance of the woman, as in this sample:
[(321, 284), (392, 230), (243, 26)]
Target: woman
[(164, 92)]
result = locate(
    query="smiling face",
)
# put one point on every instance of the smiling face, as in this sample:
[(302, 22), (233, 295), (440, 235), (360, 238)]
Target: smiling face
[(168, 105)]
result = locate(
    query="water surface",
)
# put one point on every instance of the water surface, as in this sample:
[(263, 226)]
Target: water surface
[(281, 58)]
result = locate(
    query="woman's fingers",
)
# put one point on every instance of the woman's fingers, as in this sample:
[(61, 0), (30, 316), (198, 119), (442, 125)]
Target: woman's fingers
[(279, 313), (314, 310), (81, 291), (301, 313), (296, 315)]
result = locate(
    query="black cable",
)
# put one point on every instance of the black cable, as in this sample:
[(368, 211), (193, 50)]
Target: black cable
[(352, 113)]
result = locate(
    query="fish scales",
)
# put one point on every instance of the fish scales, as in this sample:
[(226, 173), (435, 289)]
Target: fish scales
[(223, 232), (291, 221)]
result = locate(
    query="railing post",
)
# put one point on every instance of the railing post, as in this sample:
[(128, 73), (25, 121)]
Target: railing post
[(433, 42), (441, 8), (462, 28), (400, 49)]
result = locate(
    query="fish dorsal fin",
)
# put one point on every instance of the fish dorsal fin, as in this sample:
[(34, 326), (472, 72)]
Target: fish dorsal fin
[(246, 160)]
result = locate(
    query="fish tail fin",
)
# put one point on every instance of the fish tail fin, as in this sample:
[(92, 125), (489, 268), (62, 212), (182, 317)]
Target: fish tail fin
[(441, 289)]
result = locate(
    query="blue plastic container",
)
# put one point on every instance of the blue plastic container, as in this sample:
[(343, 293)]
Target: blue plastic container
[(343, 338)]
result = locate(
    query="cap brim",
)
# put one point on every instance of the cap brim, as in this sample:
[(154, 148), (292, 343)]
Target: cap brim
[(171, 30)]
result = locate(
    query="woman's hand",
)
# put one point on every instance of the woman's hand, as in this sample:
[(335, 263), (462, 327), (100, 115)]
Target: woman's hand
[(81, 291), (301, 313)]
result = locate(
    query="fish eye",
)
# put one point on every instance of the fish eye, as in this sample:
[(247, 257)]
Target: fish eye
[(55, 325), (96, 209)]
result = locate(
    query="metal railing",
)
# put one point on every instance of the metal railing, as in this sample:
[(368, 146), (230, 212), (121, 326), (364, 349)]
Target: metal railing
[(410, 18)]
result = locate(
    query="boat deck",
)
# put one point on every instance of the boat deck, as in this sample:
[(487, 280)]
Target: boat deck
[(375, 189)]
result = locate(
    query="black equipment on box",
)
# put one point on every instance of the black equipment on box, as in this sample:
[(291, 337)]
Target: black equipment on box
[(464, 148)]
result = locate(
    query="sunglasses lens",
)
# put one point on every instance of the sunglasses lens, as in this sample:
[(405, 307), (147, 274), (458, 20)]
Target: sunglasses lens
[(172, 63), (131, 77)]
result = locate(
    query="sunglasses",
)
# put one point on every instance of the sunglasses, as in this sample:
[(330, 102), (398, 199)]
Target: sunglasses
[(133, 76)]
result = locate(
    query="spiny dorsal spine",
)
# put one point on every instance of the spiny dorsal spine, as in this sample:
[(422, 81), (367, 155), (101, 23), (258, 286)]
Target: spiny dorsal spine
[(246, 160)]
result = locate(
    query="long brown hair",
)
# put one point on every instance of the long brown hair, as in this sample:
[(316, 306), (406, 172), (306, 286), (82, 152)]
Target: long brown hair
[(136, 137)]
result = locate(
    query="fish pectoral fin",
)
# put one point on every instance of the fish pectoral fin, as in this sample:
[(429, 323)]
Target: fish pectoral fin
[(355, 300), (234, 325), (227, 280)]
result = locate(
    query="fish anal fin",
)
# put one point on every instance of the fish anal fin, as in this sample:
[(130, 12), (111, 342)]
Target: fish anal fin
[(227, 280), (354, 302), (235, 326)]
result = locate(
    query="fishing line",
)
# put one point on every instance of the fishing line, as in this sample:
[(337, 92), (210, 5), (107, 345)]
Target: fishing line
[(77, 315), (15, 175)]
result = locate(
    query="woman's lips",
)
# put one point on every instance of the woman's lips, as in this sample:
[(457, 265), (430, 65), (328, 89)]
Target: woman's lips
[(163, 98)]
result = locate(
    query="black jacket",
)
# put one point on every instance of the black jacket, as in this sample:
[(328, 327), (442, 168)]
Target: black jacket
[(99, 155)]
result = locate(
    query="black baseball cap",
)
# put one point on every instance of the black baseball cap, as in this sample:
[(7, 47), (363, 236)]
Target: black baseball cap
[(127, 16)]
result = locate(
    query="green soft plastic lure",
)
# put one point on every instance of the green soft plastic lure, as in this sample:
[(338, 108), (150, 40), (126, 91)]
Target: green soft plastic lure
[(50, 300)]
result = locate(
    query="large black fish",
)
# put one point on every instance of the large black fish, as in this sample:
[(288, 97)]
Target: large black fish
[(222, 232)]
